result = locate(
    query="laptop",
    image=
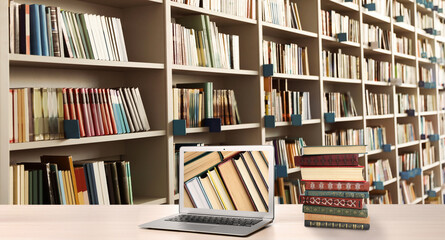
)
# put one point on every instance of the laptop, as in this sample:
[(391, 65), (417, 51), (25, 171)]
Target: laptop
[(223, 190)]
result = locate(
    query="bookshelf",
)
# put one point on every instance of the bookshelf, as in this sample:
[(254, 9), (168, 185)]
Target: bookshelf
[(150, 67)]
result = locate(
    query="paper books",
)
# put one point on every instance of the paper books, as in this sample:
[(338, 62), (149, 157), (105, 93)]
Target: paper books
[(428, 154), (405, 102), (286, 58), (334, 23), (376, 137), (240, 8), (281, 12), (379, 171), (377, 71), (408, 161), (381, 6), (427, 103), (340, 65), (376, 37), (341, 104), (286, 150), (424, 21), (400, 10), (405, 73), (407, 191), (403, 45), (377, 103), (405, 133), (344, 137)]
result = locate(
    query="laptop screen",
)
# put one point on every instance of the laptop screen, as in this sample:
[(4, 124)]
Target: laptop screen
[(226, 180)]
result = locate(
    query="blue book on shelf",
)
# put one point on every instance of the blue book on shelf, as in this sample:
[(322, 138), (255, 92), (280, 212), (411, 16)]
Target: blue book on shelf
[(126, 128), (34, 18), (117, 117), (62, 188), (92, 182), (43, 30), (87, 181)]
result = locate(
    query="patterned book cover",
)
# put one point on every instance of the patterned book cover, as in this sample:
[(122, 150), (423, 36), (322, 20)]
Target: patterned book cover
[(323, 224), (354, 203), (338, 194), (361, 186), (327, 160), (363, 213)]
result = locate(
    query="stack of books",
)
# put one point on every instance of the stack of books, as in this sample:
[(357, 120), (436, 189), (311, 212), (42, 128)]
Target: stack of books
[(335, 188)]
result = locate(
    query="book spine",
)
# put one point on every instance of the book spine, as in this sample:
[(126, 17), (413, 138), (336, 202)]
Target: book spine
[(43, 30), (332, 202), (336, 211), (327, 160), (79, 114), (336, 186), (338, 194), (36, 44), (323, 224)]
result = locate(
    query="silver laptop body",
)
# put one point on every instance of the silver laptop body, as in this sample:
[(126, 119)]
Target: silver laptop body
[(263, 218)]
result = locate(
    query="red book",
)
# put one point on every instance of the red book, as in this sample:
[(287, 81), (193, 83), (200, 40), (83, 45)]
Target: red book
[(88, 111), (71, 104), (81, 183), (354, 203), (107, 98), (83, 104), (77, 105), (66, 112), (100, 104), (360, 186), (104, 101), (327, 160)]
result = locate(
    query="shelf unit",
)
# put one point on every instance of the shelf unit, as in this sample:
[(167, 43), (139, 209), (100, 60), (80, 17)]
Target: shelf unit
[(151, 69)]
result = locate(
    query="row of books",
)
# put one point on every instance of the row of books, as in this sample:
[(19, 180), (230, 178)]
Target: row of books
[(424, 48), (282, 12), (379, 171), (377, 71), (289, 191), (400, 10), (403, 44), (442, 124), (286, 58), (240, 8), (427, 103), (426, 74), (442, 100), (344, 137), (405, 133), (376, 37), (405, 102), (428, 154), (429, 182), (341, 104), (383, 197), (405, 73), (38, 113), (424, 21), (286, 150), (286, 103), (334, 23), (198, 42), (49, 31), (408, 161), (208, 187), (57, 180), (339, 65), (196, 102), (377, 103), (376, 137), (407, 191), (381, 6), (426, 126)]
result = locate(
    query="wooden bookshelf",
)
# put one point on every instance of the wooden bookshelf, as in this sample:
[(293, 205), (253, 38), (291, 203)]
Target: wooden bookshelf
[(150, 67)]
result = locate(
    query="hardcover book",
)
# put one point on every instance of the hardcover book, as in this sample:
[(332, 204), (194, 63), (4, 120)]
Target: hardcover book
[(355, 203)]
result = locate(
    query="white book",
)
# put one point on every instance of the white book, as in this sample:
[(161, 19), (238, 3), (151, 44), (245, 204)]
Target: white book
[(132, 109), (26, 115), (107, 38), (63, 33), (117, 38), (99, 37), (103, 181), (92, 36), (122, 40), (197, 194), (236, 49), (141, 109), (113, 38), (99, 191), (11, 27), (122, 102)]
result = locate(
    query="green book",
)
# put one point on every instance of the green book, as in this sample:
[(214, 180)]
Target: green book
[(130, 189), (35, 185), (323, 224), (85, 36), (336, 211), (40, 186), (208, 95), (30, 187), (338, 194)]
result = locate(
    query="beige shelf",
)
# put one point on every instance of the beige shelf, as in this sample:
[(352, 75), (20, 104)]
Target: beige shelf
[(369, 50), (417, 200), (149, 201), (385, 183), (183, 69), (374, 17), (375, 83), (407, 85), (342, 80), (293, 170), (333, 42), (404, 56), (374, 117), (297, 77), (428, 113), (424, 35), (85, 140), (403, 27), (408, 144), (345, 6), (285, 32), (124, 4), (303, 123), (421, 8), (374, 152), (348, 119), (433, 165), (425, 61), (224, 128)]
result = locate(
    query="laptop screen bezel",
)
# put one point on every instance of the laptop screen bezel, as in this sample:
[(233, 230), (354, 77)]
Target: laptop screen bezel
[(269, 150)]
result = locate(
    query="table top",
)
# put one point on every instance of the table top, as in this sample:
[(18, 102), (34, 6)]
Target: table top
[(121, 222)]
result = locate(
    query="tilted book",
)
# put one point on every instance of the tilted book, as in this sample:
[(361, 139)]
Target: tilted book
[(327, 160), (355, 203)]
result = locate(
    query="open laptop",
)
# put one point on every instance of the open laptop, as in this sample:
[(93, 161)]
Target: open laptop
[(223, 190)]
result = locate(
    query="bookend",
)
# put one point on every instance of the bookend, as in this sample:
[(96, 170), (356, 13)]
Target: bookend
[(71, 129), (433, 137), (435, 8), (423, 54), (411, 112), (296, 119), (370, 6), (179, 127), (440, 10), (269, 121), (342, 37), (214, 124), (410, 174), (429, 5), (378, 185), (422, 136), (433, 59), (348, 0), (400, 19), (280, 171), (386, 147), (429, 30), (329, 117), (431, 193), (267, 70), (421, 2), (421, 84)]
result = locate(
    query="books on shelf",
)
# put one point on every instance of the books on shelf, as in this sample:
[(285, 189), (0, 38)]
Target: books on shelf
[(426, 75), (424, 21), (376, 37), (377, 103), (408, 161), (407, 191), (289, 191), (344, 137), (401, 13), (405, 102), (39, 113), (286, 58), (379, 171), (402, 44), (56, 180), (341, 104), (334, 23), (442, 100), (377, 71), (426, 126), (340, 65), (405, 73), (286, 150), (282, 12), (240, 8), (376, 137), (442, 124), (198, 42), (429, 182), (427, 103), (424, 49), (196, 102), (381, 6), (405, 133), (380, 197), (49, 31), (428, 154)]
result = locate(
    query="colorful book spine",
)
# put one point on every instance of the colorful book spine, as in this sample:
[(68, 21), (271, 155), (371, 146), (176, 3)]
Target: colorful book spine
[(323, 224), (354, 203), (336, 186), (363, 213), (337, 194), (327, 160)]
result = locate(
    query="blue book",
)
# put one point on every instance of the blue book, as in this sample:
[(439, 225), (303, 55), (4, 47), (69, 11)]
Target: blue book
[(117, 114), (62, 187), (122, 111), (87, 181), (43, 30), (34, 18), (92, 183)]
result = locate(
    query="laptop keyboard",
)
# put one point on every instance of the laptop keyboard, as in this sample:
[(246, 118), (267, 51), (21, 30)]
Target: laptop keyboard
[(243, 222)]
